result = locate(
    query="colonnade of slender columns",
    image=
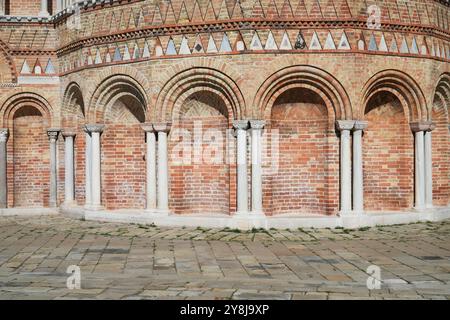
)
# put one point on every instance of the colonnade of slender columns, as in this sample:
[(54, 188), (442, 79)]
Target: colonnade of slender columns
[(423, 167), (4, 135), (93, 166), (162, 130), (69, 168), (157, 181), (53, 138), (44, 9)]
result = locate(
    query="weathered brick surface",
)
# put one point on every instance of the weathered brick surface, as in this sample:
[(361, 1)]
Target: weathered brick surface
[(299, 92)]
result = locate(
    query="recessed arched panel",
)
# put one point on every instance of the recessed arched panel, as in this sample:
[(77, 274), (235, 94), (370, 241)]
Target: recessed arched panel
[(198, 155), (388, 155), (300, 176)]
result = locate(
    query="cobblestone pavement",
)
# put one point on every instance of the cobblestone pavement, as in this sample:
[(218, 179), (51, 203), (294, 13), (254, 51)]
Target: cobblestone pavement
[(120, 261)]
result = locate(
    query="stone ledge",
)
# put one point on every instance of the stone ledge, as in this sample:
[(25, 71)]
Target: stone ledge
[(368, 219), (282, 221)]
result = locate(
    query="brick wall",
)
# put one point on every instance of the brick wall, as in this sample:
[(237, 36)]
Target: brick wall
[(25, 7), (123, 164), (388, 156), (307, 150), (199, 171), (30, 160), (441, 157)]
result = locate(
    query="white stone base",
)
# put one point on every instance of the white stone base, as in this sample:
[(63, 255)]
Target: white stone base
[(243, 222), (35, 211), (249, 221)]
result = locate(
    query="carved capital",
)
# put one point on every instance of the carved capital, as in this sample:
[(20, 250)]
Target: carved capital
[(345, 124), (432, 126), (68, 133), (162, 127), (257, 124), (360, 125), (4, 134), (96, 127), (53, 134), (419, 126), (147, 127), (240, 124)]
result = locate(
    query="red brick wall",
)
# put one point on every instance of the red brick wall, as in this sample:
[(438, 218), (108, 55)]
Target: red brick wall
[(31, 159), (25, 7), (123, 164), (306, 178), (441, 157), (200, 183), (388, 156)]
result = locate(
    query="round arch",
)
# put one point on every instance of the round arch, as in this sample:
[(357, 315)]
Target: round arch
[(15, 102), (187, 82), (308, 77), (403, 87), (5, 53), (111, 90)]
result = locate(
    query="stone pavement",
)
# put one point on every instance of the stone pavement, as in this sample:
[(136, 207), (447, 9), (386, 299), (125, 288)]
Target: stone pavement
[(124, 261)]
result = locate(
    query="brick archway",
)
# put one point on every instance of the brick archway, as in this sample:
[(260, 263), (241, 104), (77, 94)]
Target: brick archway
[(28, 116), (440, 115), (403, 87), (308, 77), (195, 79)]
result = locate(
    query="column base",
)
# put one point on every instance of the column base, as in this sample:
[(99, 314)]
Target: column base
[(256, 213), (69, 204), (242, 213), (44, 14), (94, 207), (157, 212), (345, 213)]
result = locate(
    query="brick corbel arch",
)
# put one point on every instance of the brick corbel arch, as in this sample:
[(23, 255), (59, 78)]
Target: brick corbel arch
[(113, 80), (403, 87), (196, 79), (303, 76), (110, 90), (73, 95), (16, 101), (5, 52), (442, 94)]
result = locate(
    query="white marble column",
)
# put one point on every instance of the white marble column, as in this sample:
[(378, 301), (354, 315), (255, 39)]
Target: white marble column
[(96, 191), (69, 165), (428, 166), (150, 159), (163, 168), (4, 135), (88, 168), (241, 127), (419, 164), (44, 9), (344, 126), (358, 188), (256, 129), (53, 138)]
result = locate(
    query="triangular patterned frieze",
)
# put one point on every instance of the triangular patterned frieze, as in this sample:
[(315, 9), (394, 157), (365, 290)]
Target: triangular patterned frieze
[(343, 43), (315, 43)]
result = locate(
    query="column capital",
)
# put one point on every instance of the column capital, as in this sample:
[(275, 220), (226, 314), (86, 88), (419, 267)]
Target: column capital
[(96, 127), (4, 134), (432, 126), (345, 124), (162, 126), (417, 126), (257, 124), (360, 125), (240, 124), (68, 133), (147, 127), (53, 133)]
